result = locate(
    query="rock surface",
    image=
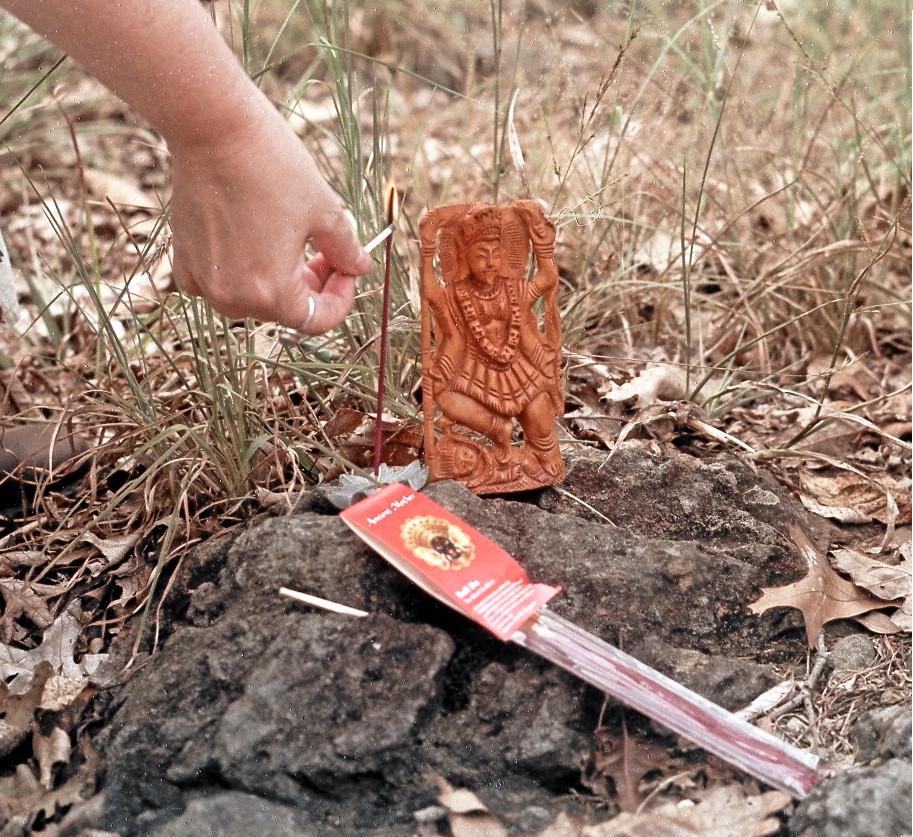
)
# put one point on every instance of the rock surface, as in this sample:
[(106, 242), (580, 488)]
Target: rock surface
[(861, 802), (345, 721), (852, 653), (883, 733)]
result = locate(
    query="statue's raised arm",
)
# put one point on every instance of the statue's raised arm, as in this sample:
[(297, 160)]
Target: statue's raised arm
[(542, 236)]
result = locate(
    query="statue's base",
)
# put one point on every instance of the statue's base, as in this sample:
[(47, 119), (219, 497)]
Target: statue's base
[(464, 460), (524, 484)]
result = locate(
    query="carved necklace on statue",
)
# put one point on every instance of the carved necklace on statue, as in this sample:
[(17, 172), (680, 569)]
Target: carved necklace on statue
[(500, 354)]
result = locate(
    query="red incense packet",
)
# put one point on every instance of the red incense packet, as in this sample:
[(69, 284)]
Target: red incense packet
[(448, 558)]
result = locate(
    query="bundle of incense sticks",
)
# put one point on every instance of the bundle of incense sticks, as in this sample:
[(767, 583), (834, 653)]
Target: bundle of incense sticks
[(664, 700), (462, 568)]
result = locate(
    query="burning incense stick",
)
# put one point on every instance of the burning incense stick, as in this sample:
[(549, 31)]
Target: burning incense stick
[(391, 204)]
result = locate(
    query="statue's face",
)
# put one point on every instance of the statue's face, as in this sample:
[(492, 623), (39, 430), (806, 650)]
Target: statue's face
[(463, 461), (485, 261)]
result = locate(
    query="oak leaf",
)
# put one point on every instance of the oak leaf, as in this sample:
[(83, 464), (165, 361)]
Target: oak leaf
[(822, 595), (626, 761), (724, 812), (853, 498), (58, 647), (887, 581)]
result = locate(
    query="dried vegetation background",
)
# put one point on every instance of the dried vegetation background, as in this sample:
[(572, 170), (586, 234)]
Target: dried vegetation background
[(731, 182)]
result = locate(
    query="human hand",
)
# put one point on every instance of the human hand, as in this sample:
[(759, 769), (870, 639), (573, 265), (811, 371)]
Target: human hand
[(243, 208)]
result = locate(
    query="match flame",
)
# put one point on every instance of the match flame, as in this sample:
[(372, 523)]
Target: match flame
[(391, 202)]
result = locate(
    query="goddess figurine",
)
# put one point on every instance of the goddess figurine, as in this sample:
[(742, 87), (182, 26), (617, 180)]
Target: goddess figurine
[(491, 363)]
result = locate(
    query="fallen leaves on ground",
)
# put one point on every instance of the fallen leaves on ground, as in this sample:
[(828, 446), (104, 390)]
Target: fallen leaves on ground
[(887, 581), (822, 595), (57, 647), (113, 549), (852, 498), (24, 798), (17, 712), (626, 761), (351, 433), (723, 812), (467, 815), (595, 425), (660, 382)]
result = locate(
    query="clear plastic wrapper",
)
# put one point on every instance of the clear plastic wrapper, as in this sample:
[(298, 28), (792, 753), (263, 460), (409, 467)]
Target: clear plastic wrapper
[(626, 679)]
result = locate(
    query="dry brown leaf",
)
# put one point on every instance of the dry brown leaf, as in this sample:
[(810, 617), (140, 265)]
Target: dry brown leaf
[(626, 761), (903, 617), (878, 623), (591, 424), (353, 434), (724, 812), (50, 749), (21, 598), (851, 498), (57, 647), (660, 382), (467, 814), (114, 549), (23, 558), (22, 794), (821, 595), (18, 711), (887, 581)]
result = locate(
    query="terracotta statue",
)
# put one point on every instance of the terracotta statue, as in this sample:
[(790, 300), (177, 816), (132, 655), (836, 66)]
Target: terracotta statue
[(487, 362)]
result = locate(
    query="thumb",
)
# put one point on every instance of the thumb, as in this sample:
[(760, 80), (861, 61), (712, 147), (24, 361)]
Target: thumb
[(336, 240)]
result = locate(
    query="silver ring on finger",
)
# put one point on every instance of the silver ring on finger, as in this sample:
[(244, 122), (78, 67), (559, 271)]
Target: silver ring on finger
[(312, 311), (291, 337)]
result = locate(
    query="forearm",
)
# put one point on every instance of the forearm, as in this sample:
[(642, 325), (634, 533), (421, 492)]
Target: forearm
[(163, 57), (545, 280)]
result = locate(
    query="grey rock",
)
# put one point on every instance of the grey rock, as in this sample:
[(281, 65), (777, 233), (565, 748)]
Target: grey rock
[(883, 733), (526, 719), (344, 719), (340, 701), (678, 496), (732, 683), (852, 653), (614, 583), (233, 814), (532, 818), (861, 802)]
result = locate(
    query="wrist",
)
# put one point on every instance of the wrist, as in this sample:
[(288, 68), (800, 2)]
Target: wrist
[(239, 117)]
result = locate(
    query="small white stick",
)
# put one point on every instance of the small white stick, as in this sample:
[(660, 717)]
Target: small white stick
[(381, 236), (316, 601)]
